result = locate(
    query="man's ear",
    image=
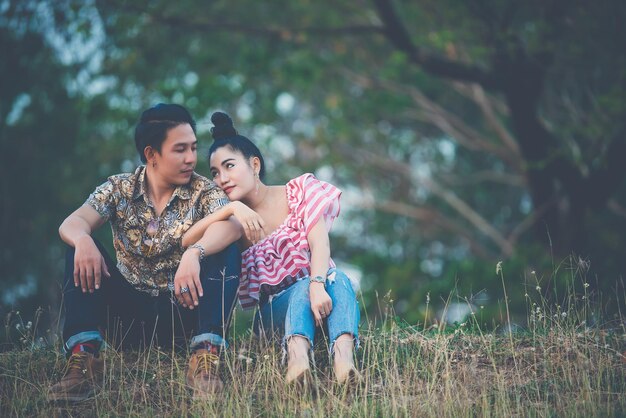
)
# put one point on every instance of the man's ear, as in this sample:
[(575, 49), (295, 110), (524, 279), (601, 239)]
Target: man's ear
[(148, 152)]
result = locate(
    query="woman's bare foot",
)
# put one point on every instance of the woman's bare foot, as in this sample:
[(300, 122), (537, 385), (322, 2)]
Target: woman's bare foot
[(343, 362), (297, 358)]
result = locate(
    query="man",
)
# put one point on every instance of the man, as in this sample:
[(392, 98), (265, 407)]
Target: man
[(158, 293)]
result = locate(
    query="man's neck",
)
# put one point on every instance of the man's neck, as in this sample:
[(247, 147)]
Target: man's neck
[(159, 191)]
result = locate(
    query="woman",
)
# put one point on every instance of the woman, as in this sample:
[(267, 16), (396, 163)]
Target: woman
[(286, 264)]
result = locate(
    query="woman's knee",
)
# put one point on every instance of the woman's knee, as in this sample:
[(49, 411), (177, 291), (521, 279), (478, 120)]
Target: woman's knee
[(299, 294), (339, 285)]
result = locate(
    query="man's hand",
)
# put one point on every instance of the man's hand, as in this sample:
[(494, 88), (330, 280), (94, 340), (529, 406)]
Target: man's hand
[(321, 303), (89, 265), (188, 277)]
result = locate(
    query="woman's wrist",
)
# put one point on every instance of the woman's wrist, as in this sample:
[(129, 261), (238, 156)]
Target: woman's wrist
[(316, 286), (318, 279), (232, 206)]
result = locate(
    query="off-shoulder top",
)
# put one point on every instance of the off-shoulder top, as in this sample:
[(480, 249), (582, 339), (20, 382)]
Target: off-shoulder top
[(283, 257)]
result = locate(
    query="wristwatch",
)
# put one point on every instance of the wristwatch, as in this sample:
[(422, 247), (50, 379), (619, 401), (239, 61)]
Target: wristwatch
[(318, 279)]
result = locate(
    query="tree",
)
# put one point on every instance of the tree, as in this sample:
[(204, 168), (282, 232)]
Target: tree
[(458, 130), (510, 84), (48, 149)]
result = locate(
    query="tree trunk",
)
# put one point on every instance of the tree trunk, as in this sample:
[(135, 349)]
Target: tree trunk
[(554, 183)]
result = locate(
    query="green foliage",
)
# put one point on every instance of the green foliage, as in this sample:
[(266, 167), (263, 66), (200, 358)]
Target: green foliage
[(364, 115)]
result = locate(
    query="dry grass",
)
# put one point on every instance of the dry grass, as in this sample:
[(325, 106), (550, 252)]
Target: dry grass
[(562, 364), (407, 372)]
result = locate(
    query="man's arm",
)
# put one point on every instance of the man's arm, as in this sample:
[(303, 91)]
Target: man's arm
[(217, 237), (89, 264)]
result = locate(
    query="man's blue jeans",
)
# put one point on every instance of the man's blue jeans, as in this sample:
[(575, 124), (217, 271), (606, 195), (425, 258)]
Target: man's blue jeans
[(131, 318), (289, 313)]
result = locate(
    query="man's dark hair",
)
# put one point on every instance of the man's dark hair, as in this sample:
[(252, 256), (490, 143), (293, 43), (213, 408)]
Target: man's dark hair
[(156, 122)]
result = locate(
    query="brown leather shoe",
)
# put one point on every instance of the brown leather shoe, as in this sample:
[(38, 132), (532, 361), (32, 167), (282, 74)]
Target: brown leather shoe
[(202, 374), (83, 375)]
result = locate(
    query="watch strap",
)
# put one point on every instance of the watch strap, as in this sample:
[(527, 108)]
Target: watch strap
[(318, 279)]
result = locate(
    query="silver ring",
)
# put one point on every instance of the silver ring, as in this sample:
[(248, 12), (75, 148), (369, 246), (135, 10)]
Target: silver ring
[(184, 290)]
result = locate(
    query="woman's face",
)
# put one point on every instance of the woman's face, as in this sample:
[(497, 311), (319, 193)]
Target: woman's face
[(232, 172)]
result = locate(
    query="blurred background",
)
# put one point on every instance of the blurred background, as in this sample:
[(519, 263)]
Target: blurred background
[(461, 133)]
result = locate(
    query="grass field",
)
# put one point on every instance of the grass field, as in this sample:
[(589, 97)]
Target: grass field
[(561, 363)]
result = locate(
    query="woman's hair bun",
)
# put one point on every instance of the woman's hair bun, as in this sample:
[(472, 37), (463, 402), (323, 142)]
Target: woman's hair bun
[(223, 126)]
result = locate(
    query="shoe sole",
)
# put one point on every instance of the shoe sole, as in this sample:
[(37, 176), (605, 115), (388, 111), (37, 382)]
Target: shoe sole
[(70, 398)]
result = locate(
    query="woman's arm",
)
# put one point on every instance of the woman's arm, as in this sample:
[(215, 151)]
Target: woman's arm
[(320, 248), (197, 230), (321, 304), (250, 221)]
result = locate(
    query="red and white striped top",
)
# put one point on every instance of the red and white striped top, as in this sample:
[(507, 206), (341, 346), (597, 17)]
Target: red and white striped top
[(284, 256)]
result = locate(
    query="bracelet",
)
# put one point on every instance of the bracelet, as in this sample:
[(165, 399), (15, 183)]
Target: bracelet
[(318, 279), (199, 247)]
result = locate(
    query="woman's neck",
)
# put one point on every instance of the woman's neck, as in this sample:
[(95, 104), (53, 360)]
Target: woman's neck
[(257, 197)]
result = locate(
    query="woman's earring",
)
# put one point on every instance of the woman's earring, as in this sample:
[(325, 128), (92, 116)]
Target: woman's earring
[(153, 164), (258, 182)]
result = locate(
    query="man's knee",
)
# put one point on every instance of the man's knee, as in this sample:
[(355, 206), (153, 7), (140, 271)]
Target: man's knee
[(232, 256), (71, 251), (226, 263)]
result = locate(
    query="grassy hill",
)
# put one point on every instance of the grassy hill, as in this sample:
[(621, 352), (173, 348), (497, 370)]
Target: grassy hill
[(556, 367)]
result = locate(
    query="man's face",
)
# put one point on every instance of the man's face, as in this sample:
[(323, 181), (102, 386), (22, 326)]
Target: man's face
[(178, 157)]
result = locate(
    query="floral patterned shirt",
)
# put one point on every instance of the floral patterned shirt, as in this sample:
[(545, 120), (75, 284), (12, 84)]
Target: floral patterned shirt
[(148, 248)]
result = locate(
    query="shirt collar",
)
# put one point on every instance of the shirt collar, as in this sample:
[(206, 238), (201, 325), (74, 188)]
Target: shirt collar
[(140, 185), (182, 192)]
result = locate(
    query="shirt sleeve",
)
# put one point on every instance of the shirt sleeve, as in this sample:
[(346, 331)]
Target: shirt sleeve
[(103, 200), (310, 198), (213, 199)]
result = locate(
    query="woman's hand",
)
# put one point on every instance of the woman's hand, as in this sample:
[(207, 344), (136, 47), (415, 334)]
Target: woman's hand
[(252, 223), (321, 303)]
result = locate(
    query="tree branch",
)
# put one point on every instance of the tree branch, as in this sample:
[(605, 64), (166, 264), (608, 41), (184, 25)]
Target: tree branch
[(615, 207), (485, 175), (274, 33), (528, 223), (604, 180), (284, 34), (447, 196), (432, 217), (447, 122), (485, 105), (437, 65), (470, 214)]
